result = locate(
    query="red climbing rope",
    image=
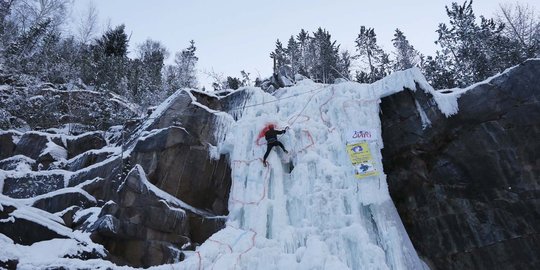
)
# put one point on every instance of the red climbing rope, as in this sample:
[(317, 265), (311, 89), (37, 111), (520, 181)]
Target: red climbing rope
[(263, 195), (247, 250), (327, 123)]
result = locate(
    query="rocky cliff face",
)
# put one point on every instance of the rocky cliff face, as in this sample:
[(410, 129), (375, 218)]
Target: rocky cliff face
[(147, 192), (466, 186)]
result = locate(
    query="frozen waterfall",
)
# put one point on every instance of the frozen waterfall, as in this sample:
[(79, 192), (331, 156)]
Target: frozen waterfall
[(319, 216)]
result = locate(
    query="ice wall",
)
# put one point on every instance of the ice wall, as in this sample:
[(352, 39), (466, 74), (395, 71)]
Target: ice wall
[(319, 216)]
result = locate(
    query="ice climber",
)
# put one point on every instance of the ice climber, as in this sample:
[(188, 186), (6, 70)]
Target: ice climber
[(271, 141)]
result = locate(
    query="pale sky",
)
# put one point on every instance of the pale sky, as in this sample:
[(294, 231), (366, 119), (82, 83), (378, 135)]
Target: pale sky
[(236, 35)]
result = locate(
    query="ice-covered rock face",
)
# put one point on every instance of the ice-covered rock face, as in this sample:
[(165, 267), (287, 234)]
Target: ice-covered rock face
[(466, 187), (319, 216)]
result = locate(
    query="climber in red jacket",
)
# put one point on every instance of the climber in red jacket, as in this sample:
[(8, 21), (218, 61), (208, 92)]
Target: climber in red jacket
[(271, 140)]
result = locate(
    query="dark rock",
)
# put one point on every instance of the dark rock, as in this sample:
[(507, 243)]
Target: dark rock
[(63, 200), (196, 120), (45, 160), (31, 144), (9, 264), (196, 179), (139, 253), (110, 171), (163, 139), (141, 220), (32, 184), (202, 228), (85, 142), (23, 230), (97, 188), (87, 159), (7, 143), (68, 215), (467, 187)]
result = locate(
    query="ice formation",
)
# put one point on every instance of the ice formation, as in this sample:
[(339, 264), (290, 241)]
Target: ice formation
[(319, 216)]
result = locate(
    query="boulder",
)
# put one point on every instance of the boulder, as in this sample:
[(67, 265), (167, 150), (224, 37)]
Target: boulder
[(110, 171), (52, 154), (202, 228), (68, 215), (8, 264), (26, 229), (85, 142), (31, 144), (97, 188), (64, 199), (146, 253), (32, 184), (7, 143), (18, 163), (87, 159), (466, 187), (142, 224)]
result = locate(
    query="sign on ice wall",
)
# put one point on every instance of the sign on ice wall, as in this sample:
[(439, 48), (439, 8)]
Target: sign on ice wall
[(358, 149), (361, 134), (361, 159)]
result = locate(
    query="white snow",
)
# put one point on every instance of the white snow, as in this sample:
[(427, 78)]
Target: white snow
[(92, 211), (196, 103), (50, 255), (57, 152), (51, 252)]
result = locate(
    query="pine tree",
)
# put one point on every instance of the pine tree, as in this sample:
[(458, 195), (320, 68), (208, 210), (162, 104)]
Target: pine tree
[(152, 54), (233, 83), (405, 55), (304, 41), (327, 57), (186, 62), (279, 55), (371, 54), (170, 79), (111, 62), (436, 72), (469, 50), (344, 65), (293, 55), (114, 42)]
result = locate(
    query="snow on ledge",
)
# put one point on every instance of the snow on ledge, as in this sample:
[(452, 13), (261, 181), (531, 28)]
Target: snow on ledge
[(446, 99), (408, 79)]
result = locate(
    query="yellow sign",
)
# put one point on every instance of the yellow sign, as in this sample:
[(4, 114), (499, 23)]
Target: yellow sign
[(361, 159)]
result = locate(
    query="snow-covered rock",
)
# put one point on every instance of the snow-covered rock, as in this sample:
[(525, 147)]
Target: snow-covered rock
[(85, 142), (146, 226), (28, 184)]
